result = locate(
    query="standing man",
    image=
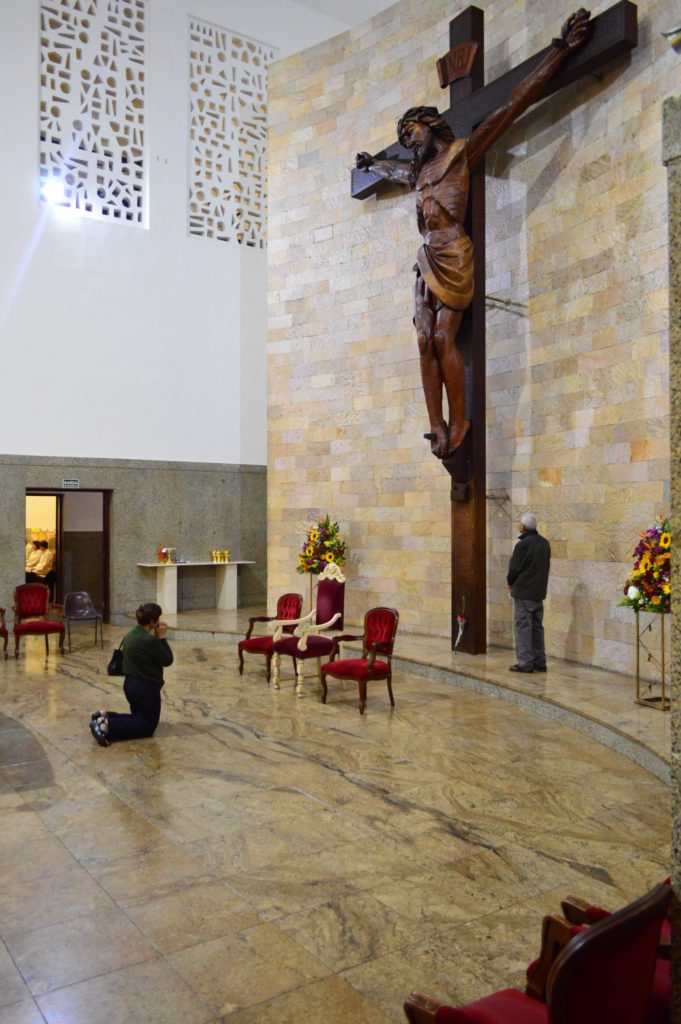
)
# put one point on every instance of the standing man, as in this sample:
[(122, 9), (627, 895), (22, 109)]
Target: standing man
[(528, 578)]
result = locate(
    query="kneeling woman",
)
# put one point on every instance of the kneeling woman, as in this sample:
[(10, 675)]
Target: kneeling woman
[(146, 652)]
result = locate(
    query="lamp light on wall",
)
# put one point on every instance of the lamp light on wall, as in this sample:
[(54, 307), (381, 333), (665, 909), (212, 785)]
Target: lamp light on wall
[(673, 37), (52, 191)]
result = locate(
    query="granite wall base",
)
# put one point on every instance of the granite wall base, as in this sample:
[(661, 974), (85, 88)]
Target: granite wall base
[(193, 507)]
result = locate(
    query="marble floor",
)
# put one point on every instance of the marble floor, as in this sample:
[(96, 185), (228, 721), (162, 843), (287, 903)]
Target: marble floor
[(595, 695), (269, 859)]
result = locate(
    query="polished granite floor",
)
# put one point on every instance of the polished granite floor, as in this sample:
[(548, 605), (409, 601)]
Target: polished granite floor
[(603, 697), (269, 859)]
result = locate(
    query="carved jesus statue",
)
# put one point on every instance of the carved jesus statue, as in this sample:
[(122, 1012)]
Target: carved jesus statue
[(439, 173)]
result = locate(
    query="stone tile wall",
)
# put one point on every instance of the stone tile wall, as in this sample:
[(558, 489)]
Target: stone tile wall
[(578, 411)]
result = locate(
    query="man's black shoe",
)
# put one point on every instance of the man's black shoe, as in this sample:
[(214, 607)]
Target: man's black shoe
[(521, 668), (540, 668)]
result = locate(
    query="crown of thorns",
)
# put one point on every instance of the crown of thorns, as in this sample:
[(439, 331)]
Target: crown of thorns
[(428, 116)]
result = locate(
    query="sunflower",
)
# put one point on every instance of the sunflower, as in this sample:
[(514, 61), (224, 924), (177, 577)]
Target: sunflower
[(665, 540), (314, 535), (309, 551), (644, 564), (329, 557)]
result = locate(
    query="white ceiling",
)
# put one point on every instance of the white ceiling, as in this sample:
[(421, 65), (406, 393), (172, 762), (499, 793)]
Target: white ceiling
[(350, 12)]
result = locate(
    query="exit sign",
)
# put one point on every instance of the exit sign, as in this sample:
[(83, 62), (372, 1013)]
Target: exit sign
[(70, 485)]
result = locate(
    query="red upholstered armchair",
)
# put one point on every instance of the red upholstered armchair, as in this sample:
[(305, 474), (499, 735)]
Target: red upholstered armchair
[(31, 610), (378, 640), (289, 606), (579, 914), (306, 642), (603, 974), (3, 631)]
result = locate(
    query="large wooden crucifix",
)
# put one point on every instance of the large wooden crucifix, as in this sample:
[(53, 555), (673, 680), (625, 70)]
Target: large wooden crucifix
[(433, 155)]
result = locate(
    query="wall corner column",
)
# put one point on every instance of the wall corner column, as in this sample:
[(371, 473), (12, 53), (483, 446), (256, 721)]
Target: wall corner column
[(671, 156)]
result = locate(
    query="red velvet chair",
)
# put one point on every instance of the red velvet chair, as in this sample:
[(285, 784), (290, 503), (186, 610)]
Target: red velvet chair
[(289, 606), (579, 914), (604, 974), (3, 631), (306, 642), (378, 638), (31, 610)]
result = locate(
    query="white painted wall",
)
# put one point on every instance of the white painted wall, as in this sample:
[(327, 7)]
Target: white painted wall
[(119, 341)]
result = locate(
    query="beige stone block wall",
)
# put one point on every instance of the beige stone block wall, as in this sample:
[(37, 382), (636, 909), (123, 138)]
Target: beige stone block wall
[(578, 427)]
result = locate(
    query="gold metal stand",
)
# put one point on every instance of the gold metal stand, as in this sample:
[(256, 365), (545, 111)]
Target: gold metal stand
[(660, 701)]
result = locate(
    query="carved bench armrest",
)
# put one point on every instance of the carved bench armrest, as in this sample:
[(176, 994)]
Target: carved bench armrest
[(374, 650), (280, 624), (342, 639), (556, 932), (579, 911), (258, 618), (420, 1009), (303, 632)]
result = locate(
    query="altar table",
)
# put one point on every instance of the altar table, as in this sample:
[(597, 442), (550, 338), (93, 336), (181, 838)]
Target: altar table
[(166, 582)]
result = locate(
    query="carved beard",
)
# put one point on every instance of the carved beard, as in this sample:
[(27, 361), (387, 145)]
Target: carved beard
[(423, 154)]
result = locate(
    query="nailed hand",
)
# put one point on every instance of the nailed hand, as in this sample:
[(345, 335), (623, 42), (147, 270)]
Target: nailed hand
[(576, 29)]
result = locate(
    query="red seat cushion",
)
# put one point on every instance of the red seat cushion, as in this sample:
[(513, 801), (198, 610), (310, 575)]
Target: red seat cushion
[(3, 631), (257, 644), (356, 668), (317, 647), (506, 1007), (38, 627)]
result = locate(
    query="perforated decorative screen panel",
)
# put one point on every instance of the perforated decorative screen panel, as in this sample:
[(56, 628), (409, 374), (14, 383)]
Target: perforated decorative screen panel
[(228, 134), (92, 106)]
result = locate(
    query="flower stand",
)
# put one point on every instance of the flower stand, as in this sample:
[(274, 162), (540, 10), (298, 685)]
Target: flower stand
[(651, 647)]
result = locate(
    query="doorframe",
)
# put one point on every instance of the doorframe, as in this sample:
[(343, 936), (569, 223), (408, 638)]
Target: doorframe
[(107, 495)]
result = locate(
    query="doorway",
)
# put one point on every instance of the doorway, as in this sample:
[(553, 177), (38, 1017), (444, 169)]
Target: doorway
[(75, 525)]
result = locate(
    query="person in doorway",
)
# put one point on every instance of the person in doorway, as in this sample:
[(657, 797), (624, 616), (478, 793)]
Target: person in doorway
[(33, 554), (44, 571), (528, 578), (146, 652)]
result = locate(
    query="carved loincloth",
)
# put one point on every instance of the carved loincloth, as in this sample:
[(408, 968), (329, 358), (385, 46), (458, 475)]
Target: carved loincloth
[(445, 262)]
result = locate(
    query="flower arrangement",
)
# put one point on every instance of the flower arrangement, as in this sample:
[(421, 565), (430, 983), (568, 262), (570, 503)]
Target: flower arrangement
[(462, 620), (322, 545), (648, 586)]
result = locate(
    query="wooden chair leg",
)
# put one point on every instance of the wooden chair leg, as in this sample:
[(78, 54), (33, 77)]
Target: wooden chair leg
[(268, 665), (276, 660), (16, 646), (420, 1009), (61, 643), (241, 662), (299, 679), (389, 681), (324, 687), (362, 695), (47, 646), (68, 626)]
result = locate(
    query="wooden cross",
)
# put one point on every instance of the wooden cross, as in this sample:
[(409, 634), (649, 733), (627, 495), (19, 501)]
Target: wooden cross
[(613, 33)]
